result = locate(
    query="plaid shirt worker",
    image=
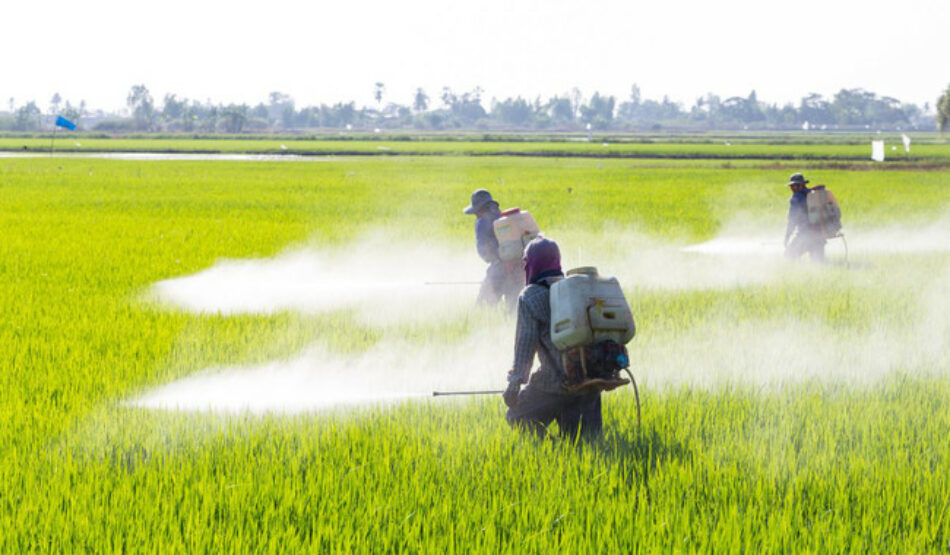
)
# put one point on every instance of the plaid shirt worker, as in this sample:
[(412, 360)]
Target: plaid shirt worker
[(533, 336)]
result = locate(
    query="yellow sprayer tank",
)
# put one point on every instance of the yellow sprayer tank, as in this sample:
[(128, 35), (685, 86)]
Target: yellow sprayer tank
[(823, 210), (587, 309), (514, 229)]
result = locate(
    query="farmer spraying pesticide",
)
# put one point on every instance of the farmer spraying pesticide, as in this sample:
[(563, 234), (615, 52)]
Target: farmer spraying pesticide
[(570, 324), (500, 238), (813, 217)]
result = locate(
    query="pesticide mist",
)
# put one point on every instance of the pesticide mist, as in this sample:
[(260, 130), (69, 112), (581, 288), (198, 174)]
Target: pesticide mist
[(391, 286)]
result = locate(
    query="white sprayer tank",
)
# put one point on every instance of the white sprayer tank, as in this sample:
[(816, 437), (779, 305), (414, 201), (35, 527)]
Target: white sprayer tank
[(514, 229), (587, 309)]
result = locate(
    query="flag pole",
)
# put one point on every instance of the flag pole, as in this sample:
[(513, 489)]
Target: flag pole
[(52, 138)]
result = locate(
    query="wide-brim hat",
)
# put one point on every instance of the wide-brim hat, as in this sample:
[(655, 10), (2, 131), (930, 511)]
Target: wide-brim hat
[(480, 199), (797, 179)]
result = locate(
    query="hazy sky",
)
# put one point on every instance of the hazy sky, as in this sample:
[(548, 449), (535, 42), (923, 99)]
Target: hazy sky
[(239, 51)]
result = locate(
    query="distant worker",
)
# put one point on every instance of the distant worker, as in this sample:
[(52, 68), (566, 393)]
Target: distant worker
[(808, 237), (502, 280), (545, 399)]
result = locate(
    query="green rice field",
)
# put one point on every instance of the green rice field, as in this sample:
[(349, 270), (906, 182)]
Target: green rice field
[(785, 406), (929, 148)]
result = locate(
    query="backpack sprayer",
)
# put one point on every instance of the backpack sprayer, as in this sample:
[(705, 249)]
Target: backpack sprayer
[(514, 229), (825, 213), (591, 323)]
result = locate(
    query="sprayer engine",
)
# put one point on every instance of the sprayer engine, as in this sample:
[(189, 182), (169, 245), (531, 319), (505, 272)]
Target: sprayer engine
[(602, 361)]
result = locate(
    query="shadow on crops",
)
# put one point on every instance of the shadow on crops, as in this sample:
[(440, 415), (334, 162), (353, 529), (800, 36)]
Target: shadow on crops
[(637, 454), (647, 445)]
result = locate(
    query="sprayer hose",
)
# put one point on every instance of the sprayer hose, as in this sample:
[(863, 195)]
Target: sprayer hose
[(847, 262), (636, 394)]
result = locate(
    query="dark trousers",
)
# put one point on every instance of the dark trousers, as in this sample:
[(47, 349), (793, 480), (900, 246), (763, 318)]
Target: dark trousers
[(811, 242), (500, 283), (574, 413)]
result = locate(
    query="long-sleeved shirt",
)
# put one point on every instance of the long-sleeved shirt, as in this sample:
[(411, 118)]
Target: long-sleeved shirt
[(798, 212), (533, 336), (485, 241)]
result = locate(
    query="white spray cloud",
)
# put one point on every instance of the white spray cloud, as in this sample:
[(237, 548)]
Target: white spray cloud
[(748, 241), (318, 379), (388, 282), (384, 282)]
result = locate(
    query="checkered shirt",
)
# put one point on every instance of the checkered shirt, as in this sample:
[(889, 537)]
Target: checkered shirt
[(533, 336)]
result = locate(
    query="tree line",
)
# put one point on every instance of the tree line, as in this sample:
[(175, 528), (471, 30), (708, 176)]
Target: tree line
[(468, 110)]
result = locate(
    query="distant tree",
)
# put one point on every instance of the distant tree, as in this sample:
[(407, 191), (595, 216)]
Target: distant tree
[(815, 110), (173, 108), (635, 94), (943, 111), (421, 101), (208, 118), (259, 111), (518, 111), (54, 103), (189, 116), (599, 111), (628, 110), (887, 110), (234, 117), (467, 107), (742, 110), (338, 115), (280, 109), (433, 120), (713, 105), (288, 116), (378, 92), (860, 107), (142, 107), (560, 110), (577, 98), (27, 117), (698, 111), (850, 106), (10, 103), (447, 97)]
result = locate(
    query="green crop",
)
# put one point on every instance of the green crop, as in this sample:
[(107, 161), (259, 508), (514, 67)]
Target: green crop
[(926, 148), (823, 464)]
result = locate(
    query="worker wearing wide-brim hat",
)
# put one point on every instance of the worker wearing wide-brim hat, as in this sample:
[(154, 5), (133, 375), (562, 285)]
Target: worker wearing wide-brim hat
[(802, 236), (498, 283)]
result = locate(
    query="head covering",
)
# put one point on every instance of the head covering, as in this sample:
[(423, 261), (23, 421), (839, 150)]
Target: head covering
[(542, 258), (480, 199), (797, 179)]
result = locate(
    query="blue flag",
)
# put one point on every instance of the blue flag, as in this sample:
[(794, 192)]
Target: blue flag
[(63, 122)]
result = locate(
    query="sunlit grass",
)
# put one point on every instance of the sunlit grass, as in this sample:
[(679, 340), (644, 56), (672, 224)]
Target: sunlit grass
[(820, 466)]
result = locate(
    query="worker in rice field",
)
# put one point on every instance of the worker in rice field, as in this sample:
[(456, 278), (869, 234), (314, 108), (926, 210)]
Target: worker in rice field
[(807, 237), (502, 281), (544, 399)]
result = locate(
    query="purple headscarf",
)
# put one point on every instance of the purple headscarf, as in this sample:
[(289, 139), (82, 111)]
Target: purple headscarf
[(542, 258)]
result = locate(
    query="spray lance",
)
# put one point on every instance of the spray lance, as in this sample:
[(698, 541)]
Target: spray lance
[(479, 392), (595, 384), (590, 324)]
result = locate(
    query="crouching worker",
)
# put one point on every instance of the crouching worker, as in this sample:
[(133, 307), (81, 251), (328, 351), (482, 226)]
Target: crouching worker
[(544, 399)]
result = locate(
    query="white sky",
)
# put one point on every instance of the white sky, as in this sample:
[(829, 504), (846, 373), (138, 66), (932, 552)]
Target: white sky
[(318, 51)]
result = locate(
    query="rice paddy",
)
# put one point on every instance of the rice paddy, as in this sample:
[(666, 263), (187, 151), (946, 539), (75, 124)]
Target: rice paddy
[(785, 406)]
